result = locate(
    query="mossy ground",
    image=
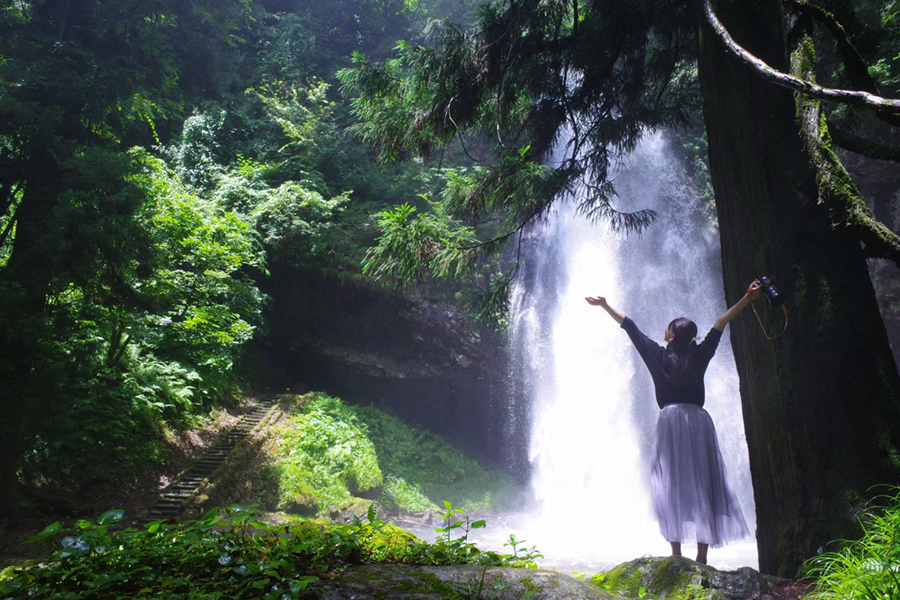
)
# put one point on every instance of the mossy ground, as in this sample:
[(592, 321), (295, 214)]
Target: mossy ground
[(329, 454)]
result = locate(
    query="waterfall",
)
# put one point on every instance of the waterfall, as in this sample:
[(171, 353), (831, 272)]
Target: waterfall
[(590, 399)]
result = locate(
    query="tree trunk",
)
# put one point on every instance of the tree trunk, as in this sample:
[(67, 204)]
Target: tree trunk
[(820, 403), (24, 286)]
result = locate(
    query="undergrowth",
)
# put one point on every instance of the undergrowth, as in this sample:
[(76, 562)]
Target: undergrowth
[(232, 554), (867, 568), (325, 452), (422, 470), (332, 452)]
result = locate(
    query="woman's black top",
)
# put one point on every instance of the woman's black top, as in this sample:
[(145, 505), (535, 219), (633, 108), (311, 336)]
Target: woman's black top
[(690, 390)]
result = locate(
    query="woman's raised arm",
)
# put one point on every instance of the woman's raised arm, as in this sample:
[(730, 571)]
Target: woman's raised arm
[(601, 302), (753, 293)]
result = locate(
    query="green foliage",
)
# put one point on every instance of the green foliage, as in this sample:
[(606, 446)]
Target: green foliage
[(866, 568), (333, 452), (455, 519), (84, 369), (410, 247), (209, 304), (300, 111), (421, 461), (165, 349), (326, 451), (233, 555), (520, 80), (127, 289), (400, 495), (196, 158), (295, 222), (229, 555)]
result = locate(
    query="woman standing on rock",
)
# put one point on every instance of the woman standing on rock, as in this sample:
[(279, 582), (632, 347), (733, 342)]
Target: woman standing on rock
[(687, 477)]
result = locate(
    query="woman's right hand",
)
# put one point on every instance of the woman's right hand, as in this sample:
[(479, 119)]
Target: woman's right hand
[(601, 302)]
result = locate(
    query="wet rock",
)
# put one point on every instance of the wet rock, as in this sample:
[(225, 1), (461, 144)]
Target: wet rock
[(304, 505), (679, 578), (456, 582)]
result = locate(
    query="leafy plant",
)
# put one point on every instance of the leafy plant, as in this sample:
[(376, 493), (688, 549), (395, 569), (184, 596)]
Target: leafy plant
[(522, 555), (228, 554), (453, 522), (421, 467), (867, 568), (398, 494), (325, 451), (233, 555)]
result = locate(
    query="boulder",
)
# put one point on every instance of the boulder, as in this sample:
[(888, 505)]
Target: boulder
[(364, 582), (679, 578), (304, 505)]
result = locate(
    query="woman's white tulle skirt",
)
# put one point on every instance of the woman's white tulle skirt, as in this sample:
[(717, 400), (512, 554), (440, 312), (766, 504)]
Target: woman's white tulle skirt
[(690, 495)]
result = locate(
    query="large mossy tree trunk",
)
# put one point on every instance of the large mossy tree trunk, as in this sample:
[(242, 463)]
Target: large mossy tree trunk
[(820, 403)]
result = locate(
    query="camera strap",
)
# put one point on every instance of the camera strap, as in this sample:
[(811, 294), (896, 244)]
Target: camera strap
[(766, 333)]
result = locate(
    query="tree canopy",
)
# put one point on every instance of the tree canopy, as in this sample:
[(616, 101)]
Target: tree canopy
[(155, 157), (558, 90)]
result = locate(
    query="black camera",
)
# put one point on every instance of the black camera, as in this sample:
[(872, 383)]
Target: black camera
[(772, 294)]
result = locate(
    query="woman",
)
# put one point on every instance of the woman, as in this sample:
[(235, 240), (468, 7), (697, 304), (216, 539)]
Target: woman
[(687, 478)]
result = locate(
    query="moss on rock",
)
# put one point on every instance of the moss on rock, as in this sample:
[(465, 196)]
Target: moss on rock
[(679, 578), (454, 583)]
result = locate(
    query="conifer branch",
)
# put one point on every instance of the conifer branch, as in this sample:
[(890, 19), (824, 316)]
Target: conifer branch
[(519, 228), (856, 68), (877, 103)]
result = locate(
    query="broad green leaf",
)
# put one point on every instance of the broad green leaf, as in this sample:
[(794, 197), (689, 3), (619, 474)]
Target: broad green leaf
[(111, 516)]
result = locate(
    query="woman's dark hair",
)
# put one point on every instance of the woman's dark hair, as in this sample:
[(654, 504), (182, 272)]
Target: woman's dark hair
[(680, 349)]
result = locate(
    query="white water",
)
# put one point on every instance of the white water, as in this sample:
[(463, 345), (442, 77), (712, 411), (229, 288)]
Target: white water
[(593, 410)]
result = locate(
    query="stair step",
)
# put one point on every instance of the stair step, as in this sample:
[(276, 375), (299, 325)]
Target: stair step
[(172, 499)]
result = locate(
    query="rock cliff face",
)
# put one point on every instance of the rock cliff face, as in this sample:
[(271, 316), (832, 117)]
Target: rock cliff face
[(426, 364)]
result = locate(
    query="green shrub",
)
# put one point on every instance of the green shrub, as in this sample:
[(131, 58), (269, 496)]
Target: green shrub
[(426, 463), (325, 451), (333, 452), (229, 555), (867, 568), (400, 495)]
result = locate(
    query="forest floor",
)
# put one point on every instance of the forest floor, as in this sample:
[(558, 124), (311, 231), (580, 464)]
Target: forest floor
[(45, 505), (792, 589)]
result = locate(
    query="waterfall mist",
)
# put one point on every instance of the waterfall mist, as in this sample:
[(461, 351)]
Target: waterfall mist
[(591, 401)]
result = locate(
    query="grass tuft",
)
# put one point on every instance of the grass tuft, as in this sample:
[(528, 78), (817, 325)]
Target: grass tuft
[(867, 568)]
